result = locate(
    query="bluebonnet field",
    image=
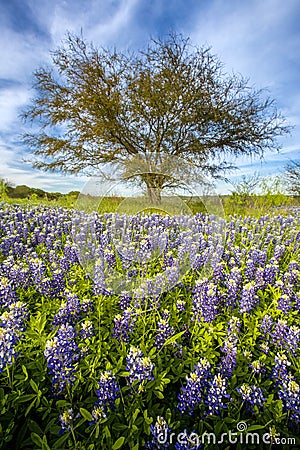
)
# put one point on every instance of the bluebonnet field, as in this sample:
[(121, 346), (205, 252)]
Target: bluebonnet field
[(112, 342)]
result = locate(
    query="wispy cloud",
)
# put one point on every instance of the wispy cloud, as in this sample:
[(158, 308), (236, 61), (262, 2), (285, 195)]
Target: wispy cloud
[(259, 39)]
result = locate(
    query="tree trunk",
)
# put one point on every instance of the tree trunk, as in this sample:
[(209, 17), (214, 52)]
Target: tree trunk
[(154, 195), (154, 183)]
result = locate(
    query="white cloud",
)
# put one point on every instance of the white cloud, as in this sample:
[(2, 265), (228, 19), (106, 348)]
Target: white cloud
[(11, 100), (253, 38), (250, 37)]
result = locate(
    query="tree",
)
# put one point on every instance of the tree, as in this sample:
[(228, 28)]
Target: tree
[(246, 186), (291, 178), (138, 111), (5, 186)]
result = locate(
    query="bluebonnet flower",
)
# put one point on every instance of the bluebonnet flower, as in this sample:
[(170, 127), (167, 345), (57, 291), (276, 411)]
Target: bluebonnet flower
[(188, 441), (98, 413), (252, 396), (45, 286), (228, 361), (248, 299), (99, 279), (165, 314), (289, 393), (292, 339), (160, 432), (139, 367), (86, 306), (69, 312), (107, 393), (109, 256), (205, 300), (64, 264), (250, 270), (125, 300), (124, 325), (279, 333), (7, 292), (58, 280), (61, 354), (294, 265), (266, 324), (270, 273), (279, 251), (38, 270), (192, 394), (219, 271), (233, 285), (280, 369), (66, 420), (154, 287), (234, 325), (8, 340), (164, 331), (15, 317), (168, 260), (264, 348), (257, 367), (180, 305), (284, 303), (20, 314), (86, 329), (297, 301), (70, 252), (12, 325), (172, 275), (259, 278), (216, 394)]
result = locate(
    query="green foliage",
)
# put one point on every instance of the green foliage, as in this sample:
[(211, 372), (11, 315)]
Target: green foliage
[(29, 411), (255, 196)]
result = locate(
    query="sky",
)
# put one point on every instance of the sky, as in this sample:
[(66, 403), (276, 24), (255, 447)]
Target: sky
[(258, 39)]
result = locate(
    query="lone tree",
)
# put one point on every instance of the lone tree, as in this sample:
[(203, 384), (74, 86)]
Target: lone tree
[(139, 111), (291, 178)]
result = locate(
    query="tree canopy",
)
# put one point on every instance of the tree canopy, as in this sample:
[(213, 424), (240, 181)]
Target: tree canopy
[(141, 109)]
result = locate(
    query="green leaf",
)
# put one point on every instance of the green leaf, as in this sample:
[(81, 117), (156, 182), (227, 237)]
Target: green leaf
[(62, 404), (118, 443), (34, 386), (124, 374), (25, 372), (61, 440), (86, 414), (25, 398), (255, 427), (159, 394), (34, 427), (135, 414), (32, 404), (174, 338), (107, 432), (36, 439)]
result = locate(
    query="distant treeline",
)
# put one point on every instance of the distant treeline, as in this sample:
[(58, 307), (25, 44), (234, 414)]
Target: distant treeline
[(24, 191)]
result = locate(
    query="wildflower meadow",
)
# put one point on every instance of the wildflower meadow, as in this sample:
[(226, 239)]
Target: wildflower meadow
[(148, 331)]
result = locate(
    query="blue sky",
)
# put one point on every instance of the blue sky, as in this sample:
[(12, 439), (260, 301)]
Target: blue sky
[(259, 39)]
